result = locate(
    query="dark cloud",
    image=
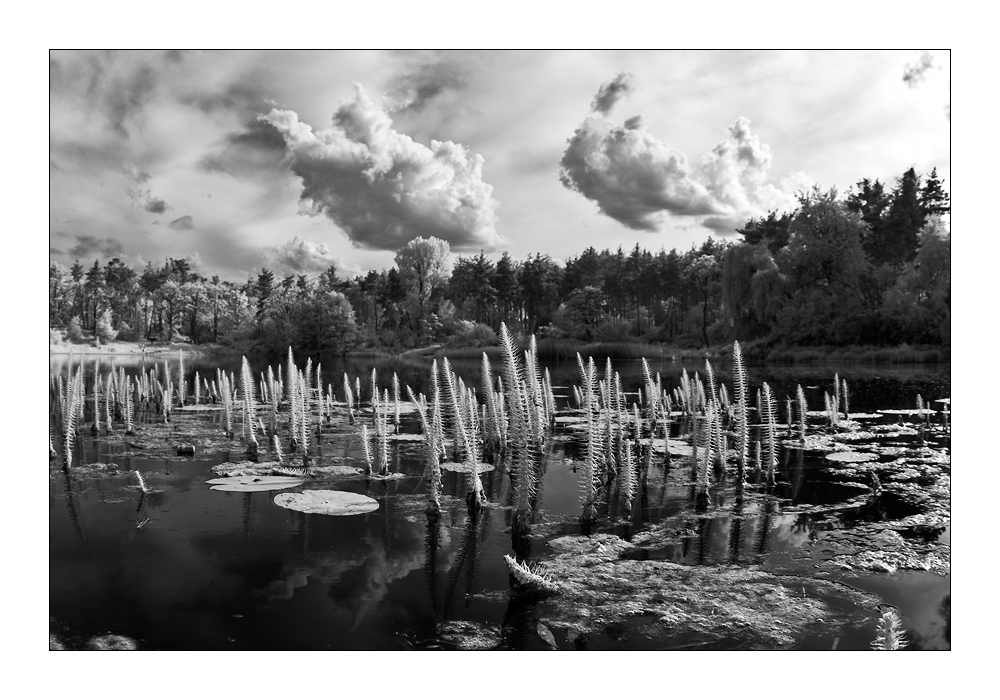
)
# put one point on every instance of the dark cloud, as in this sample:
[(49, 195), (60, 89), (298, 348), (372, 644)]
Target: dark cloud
[(916, 72), (381, 187), (145, 199), (184, 223), (55, 251), (156, 205), (429, 75), (611, 92), (86, 246), (259, 148), (299, 256), (632, 177), (724, 225)]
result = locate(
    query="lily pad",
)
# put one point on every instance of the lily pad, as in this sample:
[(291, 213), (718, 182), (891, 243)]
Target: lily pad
[(254, 483), (327, 502), (463, 468), (850, 457)]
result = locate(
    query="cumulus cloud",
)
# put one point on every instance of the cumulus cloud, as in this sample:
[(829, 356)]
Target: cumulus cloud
[(631, 176), (637, 180), (381, 187), (86, 246), (611, 92), (184, 223), (299, 256)]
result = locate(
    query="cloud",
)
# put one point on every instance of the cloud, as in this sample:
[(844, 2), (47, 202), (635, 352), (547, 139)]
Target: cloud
[(299, 256), (381, 187), (611, 92), (55, 251), (431, 74), (637, 180), (137, 176), (737, 174), (86, 246), (258, 149), (184, 223), (631, 176), (915, 73)]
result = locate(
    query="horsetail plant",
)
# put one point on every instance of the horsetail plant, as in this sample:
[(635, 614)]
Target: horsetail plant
[(889, 635), (249, 412), (433, 509), (768, 411), (803, 412), (349, 399), (740, 413)]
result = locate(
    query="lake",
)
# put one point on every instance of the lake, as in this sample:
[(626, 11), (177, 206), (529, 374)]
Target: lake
[(183, 566)]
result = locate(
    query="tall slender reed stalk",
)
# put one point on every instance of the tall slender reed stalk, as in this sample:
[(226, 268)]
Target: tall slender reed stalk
[(302, 387), (741, 428), (768, 411), (803, 412), (433, 470), (367, 449), (395, 401), (591, 476), (96, 427), (844, 397), (349, 399), (182, 386), (249, 411)]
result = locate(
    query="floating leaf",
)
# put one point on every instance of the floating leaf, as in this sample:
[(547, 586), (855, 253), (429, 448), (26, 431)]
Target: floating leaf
[(327, 502), (254, 483), (463, 468), (546, 635), (851, 457)]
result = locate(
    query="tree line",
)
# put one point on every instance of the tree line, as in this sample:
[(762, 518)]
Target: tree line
[(871, 267)]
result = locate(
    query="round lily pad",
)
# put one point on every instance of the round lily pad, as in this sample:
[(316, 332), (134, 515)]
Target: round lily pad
[(327, 502), (848, 457), (254, 483), (463, 468)]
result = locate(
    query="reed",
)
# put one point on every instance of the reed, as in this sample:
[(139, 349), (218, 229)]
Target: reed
[(742, 432), (433, 470), (367, 449), (593, 463), (349, 399), (302, 387), (800, 396), (768, 417), (249, 411), (395, 400), (843, 397), (889, 633), (96, 427)]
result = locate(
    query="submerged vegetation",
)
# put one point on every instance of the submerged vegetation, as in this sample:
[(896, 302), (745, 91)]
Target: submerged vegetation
[(735, 448)]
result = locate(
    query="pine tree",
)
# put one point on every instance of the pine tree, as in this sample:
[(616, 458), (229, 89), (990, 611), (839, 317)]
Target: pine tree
[(933, 197)]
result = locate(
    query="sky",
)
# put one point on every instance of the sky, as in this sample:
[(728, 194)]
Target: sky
[(298, 160)]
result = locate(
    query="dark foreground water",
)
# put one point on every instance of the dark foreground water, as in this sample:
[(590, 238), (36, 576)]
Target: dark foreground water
[(186, 567)]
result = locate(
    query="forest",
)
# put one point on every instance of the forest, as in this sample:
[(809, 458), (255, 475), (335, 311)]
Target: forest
[(870, 268)]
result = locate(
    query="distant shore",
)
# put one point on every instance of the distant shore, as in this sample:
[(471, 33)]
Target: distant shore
[(133, 349)]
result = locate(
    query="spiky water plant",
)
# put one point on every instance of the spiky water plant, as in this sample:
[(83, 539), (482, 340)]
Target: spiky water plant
[(626, 481), (768, 418), (142, 483), (741, 429), (843, 398), (71, 417), (803, 412), (303, 411), (367, 449), (466, 438), (433, 508), (889, 633), (591, 473), (249, 412), (395, 401), (349, 399), (96, 427), (531, 579)]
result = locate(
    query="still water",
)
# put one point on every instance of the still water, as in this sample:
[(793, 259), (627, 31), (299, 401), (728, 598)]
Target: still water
[(186, 567)]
